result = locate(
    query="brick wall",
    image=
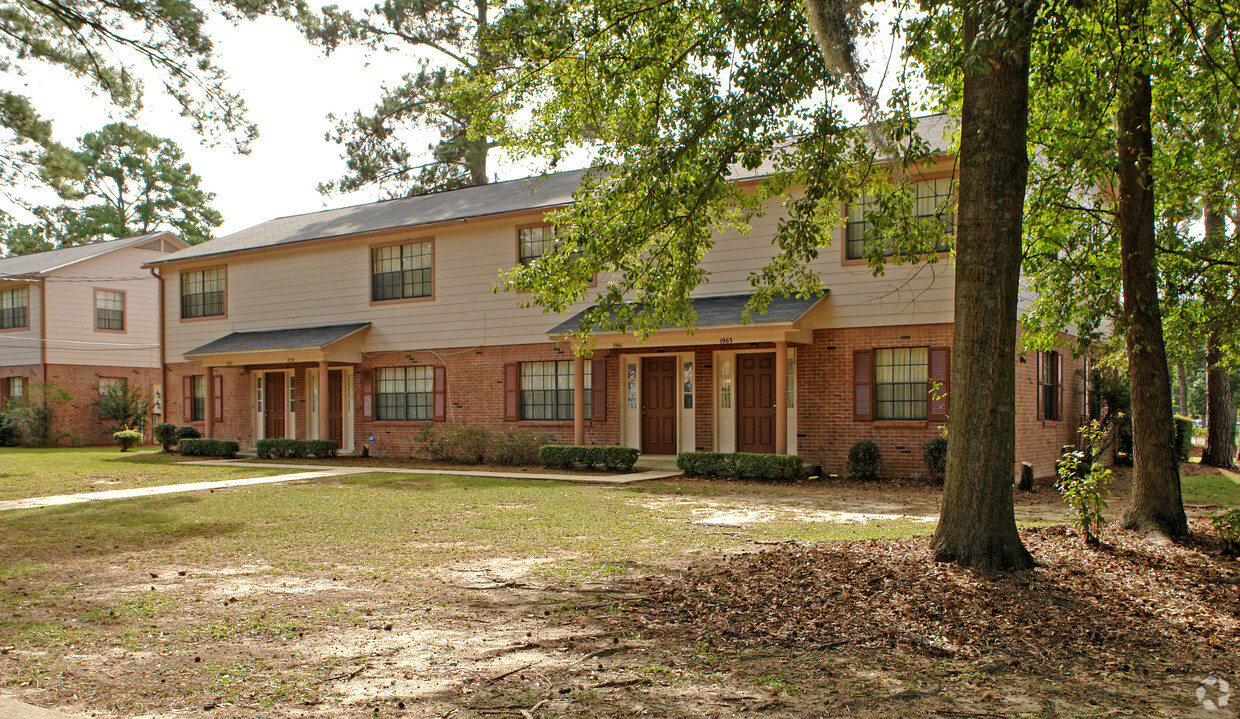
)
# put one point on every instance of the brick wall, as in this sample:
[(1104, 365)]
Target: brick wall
[(79, 419), (1041, 442)]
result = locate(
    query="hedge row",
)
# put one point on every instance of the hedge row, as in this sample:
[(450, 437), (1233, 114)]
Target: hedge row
[(741, 464), (565, 456), (1183, 436), (192, 447), (297, 448)]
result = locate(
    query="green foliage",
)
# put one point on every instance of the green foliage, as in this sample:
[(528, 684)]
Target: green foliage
[(468, 445), (10, 432), (740, 465), (127, 438), (864, 461), (201, 447), (1183, 437), (297, 448), (1083, 482), (620, 459), (516, 447), (36, 419), (166, 434), (934, 454), (124, 406), (1227, 525), (187, 432)]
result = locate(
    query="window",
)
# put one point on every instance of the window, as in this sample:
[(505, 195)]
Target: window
[(202, 293), (14, 392), (198, 398), (931, 201), (534, 242), (901, 383), (547, 390), (109, 310), (399, 272), (13, 304), (1049, 381), (107, 383), (404, 393)]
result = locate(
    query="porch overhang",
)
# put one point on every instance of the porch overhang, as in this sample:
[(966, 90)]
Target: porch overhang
[(721, 319), (323, 343)]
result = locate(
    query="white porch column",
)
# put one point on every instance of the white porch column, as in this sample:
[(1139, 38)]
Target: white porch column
[(781, 397), (579, 399), (324, 400)]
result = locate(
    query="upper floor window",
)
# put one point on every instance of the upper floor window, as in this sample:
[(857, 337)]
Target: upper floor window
[(547, 390), (534, 242), (202, 293), (404, 393), (13, 308), (401, 271), (109, 310), (901, 383), (932, 201)]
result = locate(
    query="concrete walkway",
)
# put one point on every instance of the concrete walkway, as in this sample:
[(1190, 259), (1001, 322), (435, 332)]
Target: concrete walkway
[(13, 709), (312, 471)]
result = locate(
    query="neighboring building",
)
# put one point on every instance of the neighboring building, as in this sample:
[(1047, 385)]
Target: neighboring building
[(365, 323), (81, 318)]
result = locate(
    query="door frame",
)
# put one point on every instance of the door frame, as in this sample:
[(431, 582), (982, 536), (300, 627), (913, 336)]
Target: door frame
[(258, 395), (725, 417), (348, 443), (630, 377)]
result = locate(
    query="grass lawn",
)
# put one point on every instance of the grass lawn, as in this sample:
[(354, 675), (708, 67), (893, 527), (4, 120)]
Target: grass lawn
[(1210, 487), (399, 595), (40, 472)]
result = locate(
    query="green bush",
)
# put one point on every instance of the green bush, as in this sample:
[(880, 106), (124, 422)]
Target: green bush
[(124, 405), (516, 447), (864, 461), (199, 447), (127, 438), (468, 445), (1083, 482), (1227, 525), (10, 433), (591, 456), (36, 419), (187, 432), (738, 465), (934, 454), (1183, 436), (297, 448), (166, 434)]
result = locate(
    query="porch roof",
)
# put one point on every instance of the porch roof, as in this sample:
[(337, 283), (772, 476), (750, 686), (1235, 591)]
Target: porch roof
[(725, 311), (295, 339)]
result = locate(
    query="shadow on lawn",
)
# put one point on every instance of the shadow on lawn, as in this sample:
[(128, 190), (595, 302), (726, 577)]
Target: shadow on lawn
[(104, 528)]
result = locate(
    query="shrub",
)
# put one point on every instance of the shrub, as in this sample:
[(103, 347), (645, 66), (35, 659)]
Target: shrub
[(430, 443), (514, 447), (124, 405), (591, 456), (35, 421), (10, 433), (934, 454), (864, 460), (1083, 482), (127, 438), (297, 448), (187, 432), (468, 445), (1227, 525), (738, 465), (199, 447), (1183, 436), (166, 434)]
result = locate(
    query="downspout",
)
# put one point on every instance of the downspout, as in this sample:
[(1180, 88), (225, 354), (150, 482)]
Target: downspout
[(43, 331), (163, 368)]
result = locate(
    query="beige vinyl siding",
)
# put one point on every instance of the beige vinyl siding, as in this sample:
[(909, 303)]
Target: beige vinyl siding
[(21, 347), (328, 282), (71, 311)]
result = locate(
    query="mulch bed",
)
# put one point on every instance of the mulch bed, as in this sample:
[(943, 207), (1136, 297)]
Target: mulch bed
[(1135, 605)]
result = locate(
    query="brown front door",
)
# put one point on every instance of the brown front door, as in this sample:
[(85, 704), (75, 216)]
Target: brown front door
[(755, 409), (273, 406), (659, 405), (335, 405)]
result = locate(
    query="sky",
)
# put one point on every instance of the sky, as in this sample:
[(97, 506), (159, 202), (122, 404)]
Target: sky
[(289, 87)]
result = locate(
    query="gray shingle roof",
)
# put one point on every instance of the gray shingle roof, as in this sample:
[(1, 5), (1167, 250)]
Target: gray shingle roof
[(725, 310), (493, 199), (38, 262), (531, 193), (287, 339)]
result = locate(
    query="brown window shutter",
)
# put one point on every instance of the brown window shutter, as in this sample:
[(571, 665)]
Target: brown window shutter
[(598, 390), (4, 393), (1058, 385), (440, 407), (187, 397), (368, 394), (512, 392), (863, 385), (940, 382), (1038, 383), (219, 398)]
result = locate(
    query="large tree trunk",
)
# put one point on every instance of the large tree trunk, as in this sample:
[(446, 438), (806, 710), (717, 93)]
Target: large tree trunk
[(1220, 448), (1156, 504), (977, 525)]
